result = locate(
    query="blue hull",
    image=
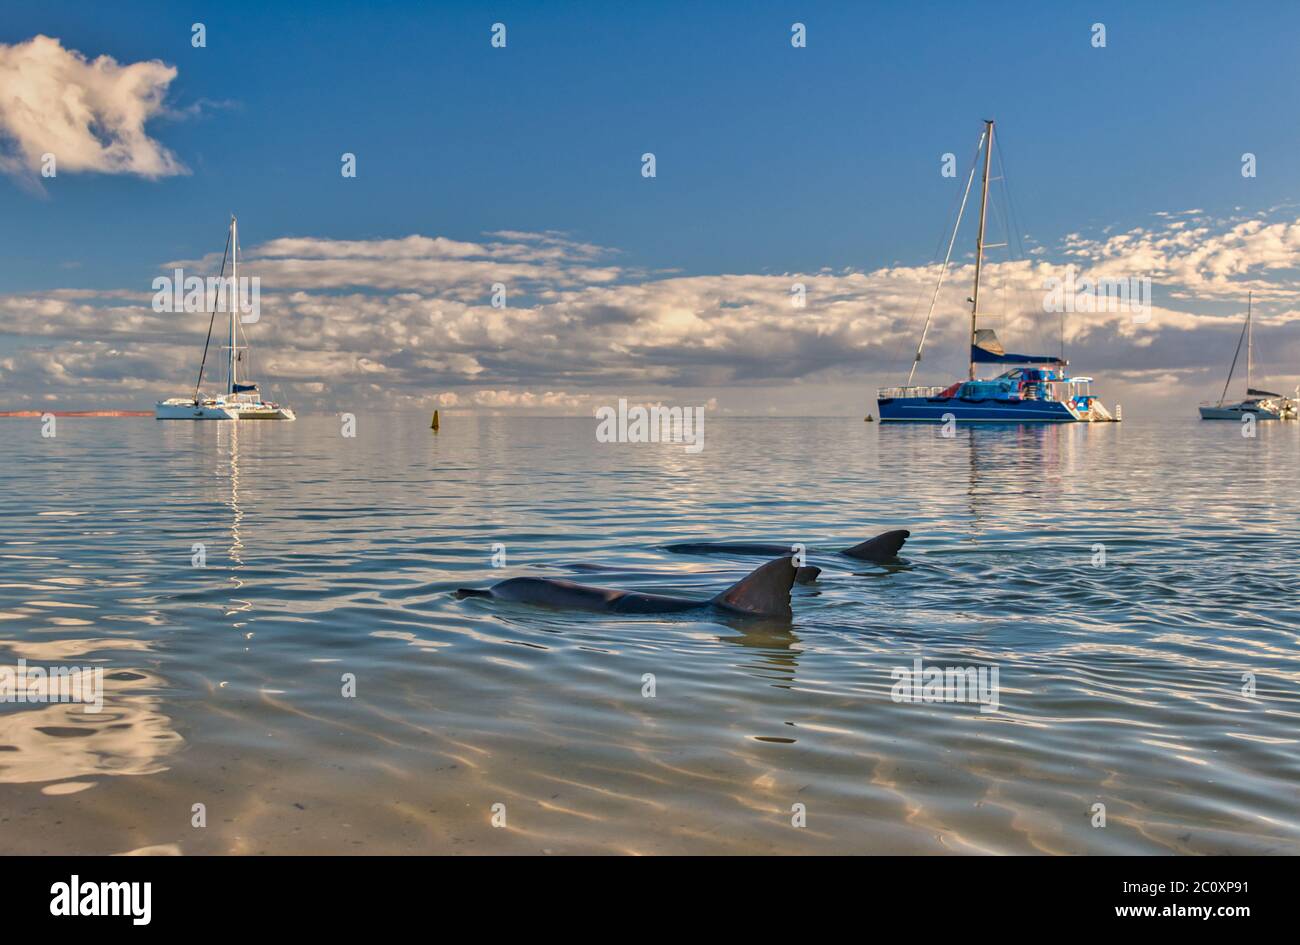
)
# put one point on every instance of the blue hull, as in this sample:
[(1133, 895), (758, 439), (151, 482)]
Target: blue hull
[(937, 410)]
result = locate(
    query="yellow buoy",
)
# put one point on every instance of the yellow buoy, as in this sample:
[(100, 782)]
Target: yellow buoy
[(434, 426), (868, 419)]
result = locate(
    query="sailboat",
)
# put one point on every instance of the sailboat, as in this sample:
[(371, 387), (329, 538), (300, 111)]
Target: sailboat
[(1034, 389), (1261, 404), (240, 400)]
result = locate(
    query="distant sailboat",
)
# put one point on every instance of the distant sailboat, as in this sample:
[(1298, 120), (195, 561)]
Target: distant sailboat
[(1261, 404), (239, 401)]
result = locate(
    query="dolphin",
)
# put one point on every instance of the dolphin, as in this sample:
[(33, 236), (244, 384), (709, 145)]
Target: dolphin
[(879, 550), (765, 592)]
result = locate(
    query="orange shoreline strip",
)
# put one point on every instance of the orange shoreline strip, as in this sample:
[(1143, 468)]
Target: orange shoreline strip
[(77, 413)]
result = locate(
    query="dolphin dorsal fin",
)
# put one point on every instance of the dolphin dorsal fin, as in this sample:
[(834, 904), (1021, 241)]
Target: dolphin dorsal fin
[(881, 548), (765, 592)]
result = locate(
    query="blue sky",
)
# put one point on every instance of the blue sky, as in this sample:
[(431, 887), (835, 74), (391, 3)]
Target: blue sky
[(770, 159)]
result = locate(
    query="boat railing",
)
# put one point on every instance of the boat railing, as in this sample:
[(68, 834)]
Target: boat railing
[(887, 393)]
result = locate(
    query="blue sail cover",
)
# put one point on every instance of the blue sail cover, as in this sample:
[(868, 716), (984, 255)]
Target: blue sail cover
[(981, 356), (988, 350), (241, 388)]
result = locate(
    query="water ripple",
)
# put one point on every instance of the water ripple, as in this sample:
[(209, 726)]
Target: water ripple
[(1162, 682)]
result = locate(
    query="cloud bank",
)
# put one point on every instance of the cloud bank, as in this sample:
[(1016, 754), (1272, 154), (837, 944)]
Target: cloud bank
[(409, 322)]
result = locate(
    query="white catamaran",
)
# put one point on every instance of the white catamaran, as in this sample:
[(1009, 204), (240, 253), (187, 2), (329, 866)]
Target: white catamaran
[(239, 400), (1261, 404)]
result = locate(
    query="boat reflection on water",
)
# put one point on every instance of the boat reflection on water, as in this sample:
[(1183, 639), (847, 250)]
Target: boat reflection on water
[(237, 606), (988, 451)]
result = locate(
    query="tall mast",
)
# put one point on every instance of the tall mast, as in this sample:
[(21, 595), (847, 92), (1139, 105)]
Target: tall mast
[(1249, 340), (234, 297), (979, 242), (1236, 353)]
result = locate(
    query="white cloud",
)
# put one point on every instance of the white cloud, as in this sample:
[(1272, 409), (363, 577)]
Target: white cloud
[(452, 268), (90, 114), (1200, 258)]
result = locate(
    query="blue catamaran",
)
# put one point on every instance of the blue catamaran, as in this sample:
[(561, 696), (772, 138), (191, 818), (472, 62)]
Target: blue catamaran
[(1031, 389)]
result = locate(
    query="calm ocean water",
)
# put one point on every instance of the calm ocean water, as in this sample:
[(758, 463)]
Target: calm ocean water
[(1120, 684)]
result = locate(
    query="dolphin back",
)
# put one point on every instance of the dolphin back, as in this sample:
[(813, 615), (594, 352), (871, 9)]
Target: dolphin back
[(728, 548), (549, 592), (764, 593), (881, 548)]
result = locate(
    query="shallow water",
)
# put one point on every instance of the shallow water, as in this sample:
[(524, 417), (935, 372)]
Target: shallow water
[(1119, 683)]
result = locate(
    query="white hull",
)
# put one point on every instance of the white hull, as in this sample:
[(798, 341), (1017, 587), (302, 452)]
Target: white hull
[(1237, 411), (179, 408)]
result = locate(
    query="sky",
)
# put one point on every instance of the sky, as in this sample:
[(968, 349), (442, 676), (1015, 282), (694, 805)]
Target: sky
[(775, 165)]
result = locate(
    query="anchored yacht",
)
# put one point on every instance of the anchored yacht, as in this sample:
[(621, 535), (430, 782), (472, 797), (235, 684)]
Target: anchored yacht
[(1261, 404), (1033, 389), (240, 399)]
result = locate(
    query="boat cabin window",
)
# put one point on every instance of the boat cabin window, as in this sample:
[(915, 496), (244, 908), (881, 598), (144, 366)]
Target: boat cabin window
[(1033, 375)]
